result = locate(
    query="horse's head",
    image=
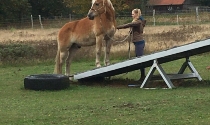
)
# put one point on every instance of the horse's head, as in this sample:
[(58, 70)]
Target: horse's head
[(98, 7)]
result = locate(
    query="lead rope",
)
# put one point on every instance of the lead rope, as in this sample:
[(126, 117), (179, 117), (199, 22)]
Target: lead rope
[(129, 43), (129, 34), (121, 41)]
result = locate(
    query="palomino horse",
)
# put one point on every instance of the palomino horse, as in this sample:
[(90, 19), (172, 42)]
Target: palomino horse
[(99, 26)]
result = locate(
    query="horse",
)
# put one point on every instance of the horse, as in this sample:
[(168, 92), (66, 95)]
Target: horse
[(97, 28)]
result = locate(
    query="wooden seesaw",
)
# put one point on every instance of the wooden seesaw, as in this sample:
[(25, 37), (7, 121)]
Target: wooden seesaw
[(154, 61)]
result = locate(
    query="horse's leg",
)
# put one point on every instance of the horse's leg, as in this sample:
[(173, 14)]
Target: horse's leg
[(60, 57), (71, 53), (107, 52), (57, 62), (99, 40), (63, 55)]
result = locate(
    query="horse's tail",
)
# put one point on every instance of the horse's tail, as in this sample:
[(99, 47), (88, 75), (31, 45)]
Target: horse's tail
[(57, 62)]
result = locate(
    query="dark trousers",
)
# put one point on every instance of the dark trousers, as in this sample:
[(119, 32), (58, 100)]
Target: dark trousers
[(139, 50)]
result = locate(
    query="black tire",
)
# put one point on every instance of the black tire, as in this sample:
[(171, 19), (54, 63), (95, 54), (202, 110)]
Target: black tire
[(46, 82)]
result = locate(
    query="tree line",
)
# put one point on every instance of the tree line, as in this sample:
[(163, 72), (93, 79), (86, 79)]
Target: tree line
[(18, 9)]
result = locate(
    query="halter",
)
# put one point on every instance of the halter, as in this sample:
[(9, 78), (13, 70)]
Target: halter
[(96, 10)]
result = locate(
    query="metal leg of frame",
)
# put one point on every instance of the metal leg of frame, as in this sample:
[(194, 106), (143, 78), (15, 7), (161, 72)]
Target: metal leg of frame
[(149, 75), (167, 78), (162, 73), (189, 64)]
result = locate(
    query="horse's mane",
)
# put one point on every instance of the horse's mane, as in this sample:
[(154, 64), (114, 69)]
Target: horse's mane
[(108, 2)]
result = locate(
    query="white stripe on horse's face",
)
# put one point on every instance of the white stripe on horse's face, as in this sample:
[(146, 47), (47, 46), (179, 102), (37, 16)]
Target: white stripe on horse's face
[(93, 1)]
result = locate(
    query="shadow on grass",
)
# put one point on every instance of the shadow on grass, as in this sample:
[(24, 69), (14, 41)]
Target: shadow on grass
[(106, 82), (152, 84), (195, 83), (124, 83)]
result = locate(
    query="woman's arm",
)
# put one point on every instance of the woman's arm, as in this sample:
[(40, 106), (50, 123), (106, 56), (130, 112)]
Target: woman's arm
[(132, 24)]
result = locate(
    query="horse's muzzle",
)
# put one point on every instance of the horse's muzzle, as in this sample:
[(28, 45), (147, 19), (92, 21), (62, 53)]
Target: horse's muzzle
[(90, 16)]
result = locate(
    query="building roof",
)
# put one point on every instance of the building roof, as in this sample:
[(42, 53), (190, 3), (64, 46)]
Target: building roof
[(166, 2)]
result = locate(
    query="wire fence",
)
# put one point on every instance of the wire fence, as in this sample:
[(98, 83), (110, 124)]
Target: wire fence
[(180, 17)]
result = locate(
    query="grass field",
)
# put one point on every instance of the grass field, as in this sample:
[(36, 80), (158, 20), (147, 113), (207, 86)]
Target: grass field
[(112, 102), (107, 103)]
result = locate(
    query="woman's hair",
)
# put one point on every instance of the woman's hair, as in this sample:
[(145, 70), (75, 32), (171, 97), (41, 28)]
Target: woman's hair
[(138, 12)]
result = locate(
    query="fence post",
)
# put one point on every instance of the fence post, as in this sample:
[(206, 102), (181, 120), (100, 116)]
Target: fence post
[(40, 20), (32, 22), (197, 15), (154, 16), (177, 19), (70, 17)]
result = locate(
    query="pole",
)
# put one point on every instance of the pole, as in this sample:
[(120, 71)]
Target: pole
[(129, 44), (154, 16), (177, 19), (70, 17), (32, 22), (197, 15), (40, 21)]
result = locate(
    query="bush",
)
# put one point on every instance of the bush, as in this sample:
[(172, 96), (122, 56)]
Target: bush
[(12, 52)]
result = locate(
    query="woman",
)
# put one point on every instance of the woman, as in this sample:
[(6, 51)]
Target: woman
[(137, 26)]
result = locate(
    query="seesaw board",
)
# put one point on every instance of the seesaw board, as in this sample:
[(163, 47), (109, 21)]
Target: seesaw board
[(172, 54)]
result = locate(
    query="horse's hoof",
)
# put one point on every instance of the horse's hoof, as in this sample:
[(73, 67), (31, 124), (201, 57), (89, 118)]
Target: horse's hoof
[(98, 66), (107, 64), (71, 77)]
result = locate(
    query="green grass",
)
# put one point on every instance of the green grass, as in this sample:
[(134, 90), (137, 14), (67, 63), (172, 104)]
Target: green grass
[(112, 103)]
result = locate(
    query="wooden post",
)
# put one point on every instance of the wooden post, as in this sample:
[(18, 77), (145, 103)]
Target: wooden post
[(70, 17), (32, 22), (197, 15), (154, 16), (40, 20), (177, 19)]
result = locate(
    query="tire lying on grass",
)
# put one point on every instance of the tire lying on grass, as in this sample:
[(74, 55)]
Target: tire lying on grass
[(46, 82)]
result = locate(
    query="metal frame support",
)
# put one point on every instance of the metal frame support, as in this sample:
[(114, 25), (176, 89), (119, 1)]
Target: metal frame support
[(188, 64), (167, 78), (162, 73)]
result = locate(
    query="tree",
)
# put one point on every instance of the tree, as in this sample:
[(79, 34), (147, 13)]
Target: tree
[(17, 9), (48, 8), (14, 9), (202, 2), (125, 6), (79, 7), (205, 2), (121, 6)]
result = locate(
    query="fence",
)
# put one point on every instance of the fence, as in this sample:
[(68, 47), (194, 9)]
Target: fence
[(178, 17), (181, 17)]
